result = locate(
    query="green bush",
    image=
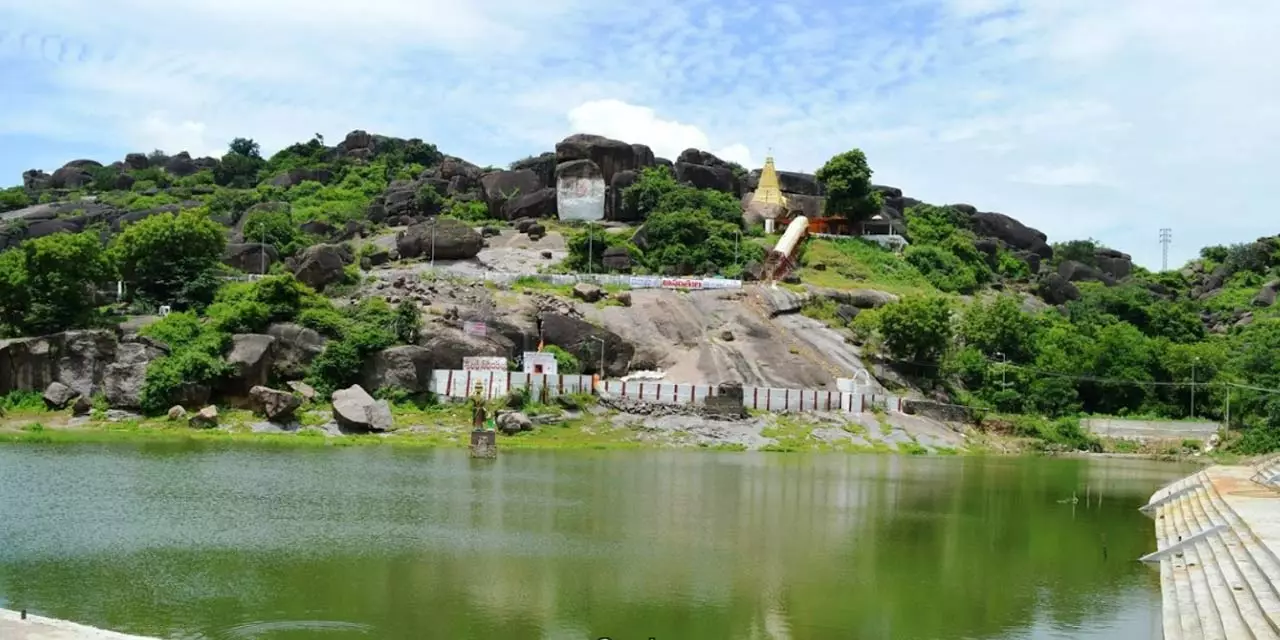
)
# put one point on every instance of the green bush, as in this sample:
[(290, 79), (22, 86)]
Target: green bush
[(175, 259), (13, 198), (566, 363)]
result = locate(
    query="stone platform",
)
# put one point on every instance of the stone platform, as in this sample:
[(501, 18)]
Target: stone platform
[(1217, 534), (13, 627)]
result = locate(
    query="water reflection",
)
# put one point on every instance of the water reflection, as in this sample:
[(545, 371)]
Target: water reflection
[(210, 542)]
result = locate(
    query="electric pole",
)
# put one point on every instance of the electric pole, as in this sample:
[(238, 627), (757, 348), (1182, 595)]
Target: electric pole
[(1166, 236)]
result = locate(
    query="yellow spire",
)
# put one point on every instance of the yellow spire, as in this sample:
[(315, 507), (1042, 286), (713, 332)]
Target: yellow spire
[(768, 191)]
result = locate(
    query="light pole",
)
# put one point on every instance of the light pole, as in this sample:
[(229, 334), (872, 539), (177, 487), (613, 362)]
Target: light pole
[(591, 246), (1004, 364), (601, 341), (1193, 386)]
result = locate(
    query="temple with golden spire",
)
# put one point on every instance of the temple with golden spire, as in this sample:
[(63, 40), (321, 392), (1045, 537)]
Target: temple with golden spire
[(768, 192)]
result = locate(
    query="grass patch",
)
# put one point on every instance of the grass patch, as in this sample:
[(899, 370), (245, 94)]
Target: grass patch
[(913, 448), (22, 403), (857, 263)]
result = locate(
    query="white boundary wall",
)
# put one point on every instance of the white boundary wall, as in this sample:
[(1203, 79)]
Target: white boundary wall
[(460, 385)]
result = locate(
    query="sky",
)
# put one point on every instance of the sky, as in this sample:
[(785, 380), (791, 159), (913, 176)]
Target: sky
[(1103, 119)]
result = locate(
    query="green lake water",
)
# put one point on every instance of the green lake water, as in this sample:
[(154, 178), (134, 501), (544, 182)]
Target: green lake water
[(209, 541)]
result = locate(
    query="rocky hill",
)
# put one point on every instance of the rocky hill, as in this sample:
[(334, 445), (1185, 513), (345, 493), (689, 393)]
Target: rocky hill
[(375, 218)]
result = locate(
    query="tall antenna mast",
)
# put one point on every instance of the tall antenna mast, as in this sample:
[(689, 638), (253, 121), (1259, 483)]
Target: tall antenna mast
[(1166, 236)]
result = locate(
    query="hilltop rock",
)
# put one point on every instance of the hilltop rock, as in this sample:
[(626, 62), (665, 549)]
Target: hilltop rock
[(611, 156), (181, 165), (499, 187), (708, 177), (1073, 271), (1113, 263), (453, 240), (74, 174), (1267, 295), (137, 161), (544, 165), (1013, 233)]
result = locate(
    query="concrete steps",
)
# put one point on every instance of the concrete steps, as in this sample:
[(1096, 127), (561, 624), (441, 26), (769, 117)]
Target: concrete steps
[(1218, 579)]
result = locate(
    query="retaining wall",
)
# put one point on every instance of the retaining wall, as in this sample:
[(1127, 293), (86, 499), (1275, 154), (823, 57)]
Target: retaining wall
[(1150, 429), (459, 385)]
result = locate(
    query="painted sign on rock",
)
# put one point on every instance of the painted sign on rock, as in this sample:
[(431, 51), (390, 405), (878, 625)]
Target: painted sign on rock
[(580, 198)]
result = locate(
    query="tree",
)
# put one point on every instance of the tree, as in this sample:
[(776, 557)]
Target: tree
[(170, 258), (48, 284), (408, 322), (642, 198), (13, 198), (917, 330), (246, 147), (1000, 327), (847, 179)]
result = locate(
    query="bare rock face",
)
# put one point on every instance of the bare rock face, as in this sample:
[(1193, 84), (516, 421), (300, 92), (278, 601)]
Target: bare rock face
[(406, 367), (276, 406), (296, 346), (251, 358), (176, 413), (355, 410)]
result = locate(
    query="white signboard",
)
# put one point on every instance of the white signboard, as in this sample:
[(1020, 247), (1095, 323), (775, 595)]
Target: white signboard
[(540, 363), (681, 283), (484, 363), (475, 328), (580, 198)]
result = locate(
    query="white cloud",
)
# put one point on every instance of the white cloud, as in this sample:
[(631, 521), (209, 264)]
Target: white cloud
[(1070, 175), (632, 123)]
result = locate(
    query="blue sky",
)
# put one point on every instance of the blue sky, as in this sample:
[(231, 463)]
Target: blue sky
[(1084, 118)]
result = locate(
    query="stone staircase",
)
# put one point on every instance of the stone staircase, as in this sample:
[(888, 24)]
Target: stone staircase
[(1218, 579)]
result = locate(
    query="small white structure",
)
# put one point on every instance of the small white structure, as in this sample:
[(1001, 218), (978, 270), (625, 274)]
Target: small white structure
[(165, 310), (540, 363), (884, 232)]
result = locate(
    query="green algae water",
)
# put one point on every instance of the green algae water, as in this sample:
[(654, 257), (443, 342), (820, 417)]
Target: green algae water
[(218, 542)]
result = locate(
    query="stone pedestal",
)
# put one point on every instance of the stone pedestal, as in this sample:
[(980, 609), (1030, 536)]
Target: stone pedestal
[(484, 444)]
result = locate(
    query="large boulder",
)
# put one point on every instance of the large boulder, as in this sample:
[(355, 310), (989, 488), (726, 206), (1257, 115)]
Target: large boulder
[(458, 175), (355, 410), (123, 379), (251, 358), (1013, 233), (296, 346), (74, 175), (137, 161), (499, 187), (448, 349), (295, 177), (708, 177), (181, 165), (1056, 289), (36, 180), (450, 239), (513, 422), (611, 156), (320, 266), (616, 259), (49, 227), (615, 208), (858, 298), (1113, 263), (698, 156), (57, 396), (250, 257), (544, 165), (405, 367), (77, 359), (539, 204), (1073, 271), (276, 406), (1267, 295), (585, 341)]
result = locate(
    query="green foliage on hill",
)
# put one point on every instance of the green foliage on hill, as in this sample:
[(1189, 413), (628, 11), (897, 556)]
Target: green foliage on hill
[(48, 284), (686, 230), (171, 258), (847, 178)]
